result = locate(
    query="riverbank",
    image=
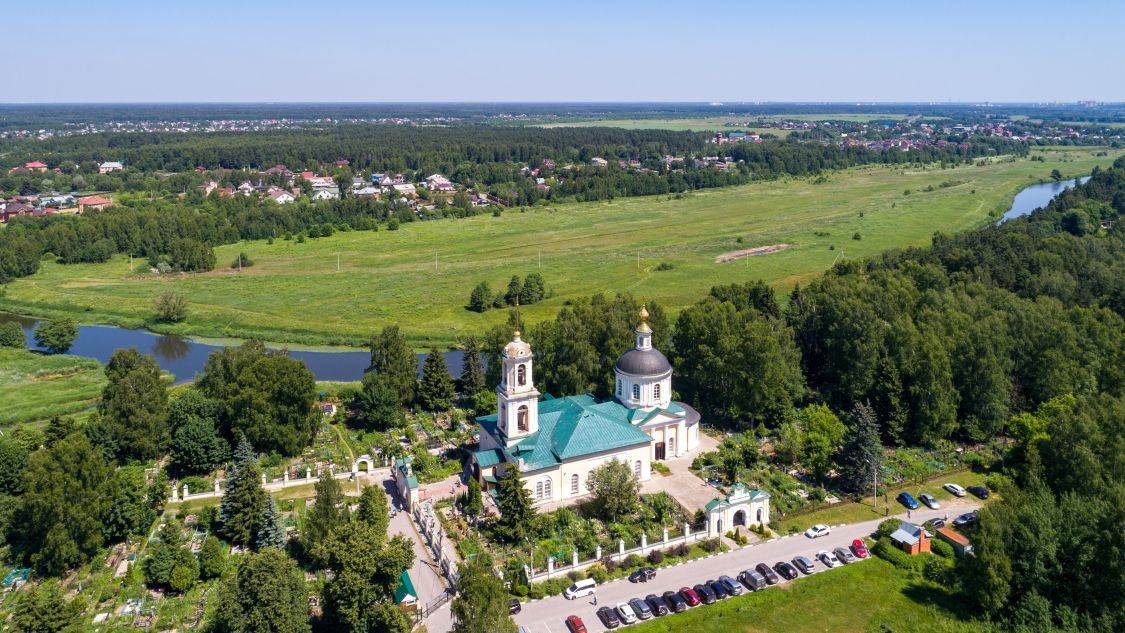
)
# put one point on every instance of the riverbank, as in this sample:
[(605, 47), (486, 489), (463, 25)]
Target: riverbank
[(37, 387), (420, 276)]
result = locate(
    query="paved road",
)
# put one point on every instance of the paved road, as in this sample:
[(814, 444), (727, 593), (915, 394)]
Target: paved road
[(548, 615)]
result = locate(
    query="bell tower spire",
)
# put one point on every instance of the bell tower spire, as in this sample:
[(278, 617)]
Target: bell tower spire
[(516, 395)]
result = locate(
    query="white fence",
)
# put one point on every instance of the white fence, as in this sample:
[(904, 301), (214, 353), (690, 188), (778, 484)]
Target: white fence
[(182, 493), (555, 567)]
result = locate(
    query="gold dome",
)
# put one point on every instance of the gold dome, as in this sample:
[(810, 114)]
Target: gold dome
[(644, 312)]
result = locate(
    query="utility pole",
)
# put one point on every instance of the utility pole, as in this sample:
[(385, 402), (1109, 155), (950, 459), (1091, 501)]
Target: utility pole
[(337, 262), (240, 262)]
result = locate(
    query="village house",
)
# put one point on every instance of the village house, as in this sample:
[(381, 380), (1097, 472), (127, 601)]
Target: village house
[(555, 443), (208, 187), (437, 182), (961, 545), (406, 190), (15, 209), (246, 188), (96, 203), (281, 196), (598, 162), (36, 166), (110, 166), (323, 182), (366, 192), (325, 193), (911, 538), (278, 169)]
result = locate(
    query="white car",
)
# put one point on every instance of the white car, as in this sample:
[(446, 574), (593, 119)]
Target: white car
[(828, 558), (628, 616), (818, 531), (955, 490)]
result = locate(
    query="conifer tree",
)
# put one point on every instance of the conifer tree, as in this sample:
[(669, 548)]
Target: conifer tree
[(472, 370), (862, 453), (482, 602), (240, 512), (514, 500), (436, 388), (211, 558), (474, 503), (373, 509), (271, 533)]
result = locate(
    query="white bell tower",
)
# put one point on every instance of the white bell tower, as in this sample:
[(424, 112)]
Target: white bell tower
[(517, 398)]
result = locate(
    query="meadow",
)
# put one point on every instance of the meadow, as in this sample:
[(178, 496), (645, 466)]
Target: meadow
[(337, 290), (39, 386)]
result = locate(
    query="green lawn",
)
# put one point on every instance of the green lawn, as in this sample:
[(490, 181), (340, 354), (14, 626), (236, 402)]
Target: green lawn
[(39, 386), (851, 512), (868, 596), (420, 276)]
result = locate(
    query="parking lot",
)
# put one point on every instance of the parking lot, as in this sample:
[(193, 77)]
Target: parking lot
[(548, 615)]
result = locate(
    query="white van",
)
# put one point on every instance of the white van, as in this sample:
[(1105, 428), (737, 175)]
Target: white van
[(580, 589)]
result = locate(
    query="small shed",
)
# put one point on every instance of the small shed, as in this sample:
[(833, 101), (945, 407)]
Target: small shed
[(911, 538), (405, 595), (961, 544)]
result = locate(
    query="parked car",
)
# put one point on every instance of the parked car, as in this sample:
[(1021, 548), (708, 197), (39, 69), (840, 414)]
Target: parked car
[(719, 589), (954, 489), (979, 492), (804, 564), (659, 607), (929, 500), (937, 523), (965, 519), (628, 615), (706, 593), (907, 500), (818, 531), (753, 580), (690, 596), (644, 611), (828, 558), (675, 601), (580, 589), (785, 570), (643, 574), (609, 617), (769, 574), (844, 555), (574, 623), (514, 607), (731, 585), (859, 548)]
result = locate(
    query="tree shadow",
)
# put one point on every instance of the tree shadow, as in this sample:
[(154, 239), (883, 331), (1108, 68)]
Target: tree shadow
[(953, 603)]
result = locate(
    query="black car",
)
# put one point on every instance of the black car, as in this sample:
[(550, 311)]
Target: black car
[(643, 574), (659, 607), (675, 601), (514, 607), (786, 570), (804, 564), (978, 491), (771, 576), (609, 617), (720, 590), (644, 611), (706, 593), (937, 523), (965, 519)]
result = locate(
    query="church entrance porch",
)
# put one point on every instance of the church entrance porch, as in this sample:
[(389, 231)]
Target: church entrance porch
[(660, 451)]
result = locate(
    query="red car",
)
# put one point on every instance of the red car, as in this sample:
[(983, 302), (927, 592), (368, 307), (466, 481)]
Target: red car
[(689, 595), (574, 623), (859, 549)]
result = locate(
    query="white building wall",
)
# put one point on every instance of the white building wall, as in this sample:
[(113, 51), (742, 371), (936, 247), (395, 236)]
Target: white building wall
[(560, 477)]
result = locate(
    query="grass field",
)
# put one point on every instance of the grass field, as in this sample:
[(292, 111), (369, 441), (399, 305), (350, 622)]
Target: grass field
[(420, 276), (868, 596), (37, 386)]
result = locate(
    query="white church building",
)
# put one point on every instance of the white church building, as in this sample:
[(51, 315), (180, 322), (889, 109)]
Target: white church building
[(556, 442)]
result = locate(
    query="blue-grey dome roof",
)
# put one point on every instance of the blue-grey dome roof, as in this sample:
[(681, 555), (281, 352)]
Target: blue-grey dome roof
[(646, 362)]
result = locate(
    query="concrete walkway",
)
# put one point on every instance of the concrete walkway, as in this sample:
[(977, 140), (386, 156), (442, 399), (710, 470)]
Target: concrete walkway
[(688, 490)]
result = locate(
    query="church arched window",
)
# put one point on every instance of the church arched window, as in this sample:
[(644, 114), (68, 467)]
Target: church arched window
[(574, 484), (521, 375), (636, 392), (656, 391), (547, 488), (539, 490), (637, 468), (521, 418)]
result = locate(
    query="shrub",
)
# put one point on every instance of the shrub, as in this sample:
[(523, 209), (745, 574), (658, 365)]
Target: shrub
[(710, 545), (681, 550), (610, 564), (242, 261), (665, 266), (519, 590), (856, 236), (633, 560), (599, 573), (886, 528), (941, 548), (887, 551), (572, 575), (938, 570), (656, 557)]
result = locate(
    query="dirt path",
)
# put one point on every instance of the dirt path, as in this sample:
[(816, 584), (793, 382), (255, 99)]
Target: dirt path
[(749, 252)]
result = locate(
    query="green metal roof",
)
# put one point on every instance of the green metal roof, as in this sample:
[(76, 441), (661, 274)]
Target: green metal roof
[(405, 588), (489, 458), (575, 426), (411, 482)]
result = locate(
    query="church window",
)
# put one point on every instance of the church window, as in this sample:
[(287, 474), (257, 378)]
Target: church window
[(521, 375), (539, 490), (521, 418), (636, 392), (637, 468), (574, 484), (546, 488), (656, 391)]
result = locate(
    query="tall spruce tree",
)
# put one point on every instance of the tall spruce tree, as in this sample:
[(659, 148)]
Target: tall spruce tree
[(393, 358), (271, 533), (240, 512), (327, 514), (472, 370), (862, 453), (435, 391), (514, 500)]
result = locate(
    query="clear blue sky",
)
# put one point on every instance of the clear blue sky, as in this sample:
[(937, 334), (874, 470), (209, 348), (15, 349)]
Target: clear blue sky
[(576, 50)]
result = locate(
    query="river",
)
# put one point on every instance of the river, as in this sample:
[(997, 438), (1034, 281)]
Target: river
[(184, 357)]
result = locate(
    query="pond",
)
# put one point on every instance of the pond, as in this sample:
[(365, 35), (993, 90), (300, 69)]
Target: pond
[(184, 357), (1037, 196)]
